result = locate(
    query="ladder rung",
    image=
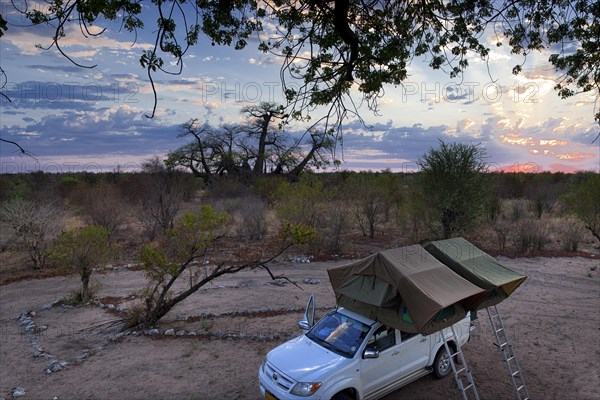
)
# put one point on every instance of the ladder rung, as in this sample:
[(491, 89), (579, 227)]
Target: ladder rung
[(503, 343), (469, 386), (455, 354), (460, 370)]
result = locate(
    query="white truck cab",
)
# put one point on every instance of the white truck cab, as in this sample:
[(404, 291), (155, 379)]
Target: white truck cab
[(347, 356)]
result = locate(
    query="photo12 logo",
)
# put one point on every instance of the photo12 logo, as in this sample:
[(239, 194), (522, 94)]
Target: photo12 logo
[(69, 92), (249, 92), (23, 167), (468, 92)]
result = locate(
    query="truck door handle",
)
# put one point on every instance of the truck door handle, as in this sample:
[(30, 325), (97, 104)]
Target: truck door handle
[(423, 340), (395, 353)]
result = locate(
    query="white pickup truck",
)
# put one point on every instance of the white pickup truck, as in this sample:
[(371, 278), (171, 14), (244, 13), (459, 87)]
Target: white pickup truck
[(346, 356)]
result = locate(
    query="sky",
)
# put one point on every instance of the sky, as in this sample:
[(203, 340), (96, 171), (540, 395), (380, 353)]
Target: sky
[(78, 119)]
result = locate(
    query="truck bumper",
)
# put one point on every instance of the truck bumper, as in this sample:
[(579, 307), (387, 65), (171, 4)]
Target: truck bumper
[(272, 391)]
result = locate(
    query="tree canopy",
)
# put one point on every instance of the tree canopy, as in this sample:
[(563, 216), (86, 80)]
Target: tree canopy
[(452, 182), (251, 149), (330, 47)]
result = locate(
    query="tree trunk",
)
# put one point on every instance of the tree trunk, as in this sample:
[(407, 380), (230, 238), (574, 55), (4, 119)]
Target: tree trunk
[(262, 144), (85, 284), (294, 174)]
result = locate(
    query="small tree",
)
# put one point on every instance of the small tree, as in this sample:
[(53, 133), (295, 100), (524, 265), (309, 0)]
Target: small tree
[(452, 181), (81, 251), (584, 202), (103, 205), (161, 197), (34, 227), (253, 214), (190, 241), (337, 222)]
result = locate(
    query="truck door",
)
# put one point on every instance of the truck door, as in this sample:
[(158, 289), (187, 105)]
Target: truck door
[(385, 368), (414, 352)]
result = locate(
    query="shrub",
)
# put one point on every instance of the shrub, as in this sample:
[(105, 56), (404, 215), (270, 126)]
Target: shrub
[(493, 207), (370, 213), (81, 251), (103, 205), (571, 233), (301, 203), (337, 222), (530, 235), (34, 227), (502, 229), (518, 209), (584, 201), (253, 215), (371, 200)]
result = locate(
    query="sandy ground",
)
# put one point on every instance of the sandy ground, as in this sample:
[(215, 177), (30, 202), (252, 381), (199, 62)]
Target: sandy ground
[(553, 321)]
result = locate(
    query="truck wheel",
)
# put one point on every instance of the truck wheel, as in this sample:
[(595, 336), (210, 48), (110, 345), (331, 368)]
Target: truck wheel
[(441, 364), (342, 396)]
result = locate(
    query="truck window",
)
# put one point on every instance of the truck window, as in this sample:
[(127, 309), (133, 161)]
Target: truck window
[(382, 339), (404, 336), (339, 333)]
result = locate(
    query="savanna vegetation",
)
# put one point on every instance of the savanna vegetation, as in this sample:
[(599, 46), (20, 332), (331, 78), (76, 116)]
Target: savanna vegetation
[(183, 232)]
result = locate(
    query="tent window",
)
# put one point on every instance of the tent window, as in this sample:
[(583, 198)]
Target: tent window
[(445, 313)]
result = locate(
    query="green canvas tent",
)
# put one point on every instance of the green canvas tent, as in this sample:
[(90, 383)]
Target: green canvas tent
[(405, 288), (478, 268)]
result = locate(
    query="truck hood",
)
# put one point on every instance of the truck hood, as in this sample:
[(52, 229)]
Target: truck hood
[(304, 360)]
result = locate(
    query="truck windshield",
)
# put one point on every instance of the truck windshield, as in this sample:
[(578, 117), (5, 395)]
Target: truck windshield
[(339, 333)]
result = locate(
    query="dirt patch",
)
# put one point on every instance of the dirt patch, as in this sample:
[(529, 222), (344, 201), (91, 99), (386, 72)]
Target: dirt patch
[(221, 334)]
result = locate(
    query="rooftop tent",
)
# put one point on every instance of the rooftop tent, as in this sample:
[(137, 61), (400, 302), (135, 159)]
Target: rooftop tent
[(477, 267), (405, 288)]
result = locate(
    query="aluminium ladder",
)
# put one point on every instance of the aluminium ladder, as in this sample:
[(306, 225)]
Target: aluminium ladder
[(470, 384), (514, 370)]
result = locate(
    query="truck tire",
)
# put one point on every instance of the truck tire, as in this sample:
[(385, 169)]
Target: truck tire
[(441, 363), (342, 396)]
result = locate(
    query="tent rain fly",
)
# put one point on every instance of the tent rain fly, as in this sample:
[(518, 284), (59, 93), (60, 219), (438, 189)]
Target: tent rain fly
[(478, 268), (405, 288)]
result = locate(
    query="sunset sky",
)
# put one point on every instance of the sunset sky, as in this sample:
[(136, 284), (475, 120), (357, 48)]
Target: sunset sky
[(72, 118)]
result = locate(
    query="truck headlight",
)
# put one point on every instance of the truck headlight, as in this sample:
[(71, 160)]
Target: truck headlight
[(305, 389)]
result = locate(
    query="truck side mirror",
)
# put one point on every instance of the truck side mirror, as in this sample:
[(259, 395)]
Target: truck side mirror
[(371, 353), (304, 325)]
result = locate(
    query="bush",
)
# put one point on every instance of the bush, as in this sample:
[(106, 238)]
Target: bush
[(502, 229), (584, 201), (81, 251), (493, 207), (518, 209), (530, 235), (253, 215), (371, 199), (301, 203), (571, 233), (34, 227), (336, 225), (103, 205)]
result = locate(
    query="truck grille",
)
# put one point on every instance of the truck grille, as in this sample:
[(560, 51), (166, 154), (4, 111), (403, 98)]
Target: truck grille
[(278, 378)]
